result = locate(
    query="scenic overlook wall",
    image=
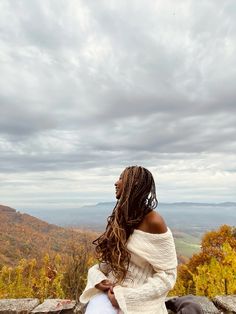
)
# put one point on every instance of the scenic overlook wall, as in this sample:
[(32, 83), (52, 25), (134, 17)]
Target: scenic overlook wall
[(220, 304)]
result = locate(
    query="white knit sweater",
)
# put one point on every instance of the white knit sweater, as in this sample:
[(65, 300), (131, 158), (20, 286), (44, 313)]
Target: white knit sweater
[(152, 273)]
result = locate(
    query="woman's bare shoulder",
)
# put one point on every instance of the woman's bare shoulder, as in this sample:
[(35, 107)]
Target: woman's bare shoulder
[(153, 223)]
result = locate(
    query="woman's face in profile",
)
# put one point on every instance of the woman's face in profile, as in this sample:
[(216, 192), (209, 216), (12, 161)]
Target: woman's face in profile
[(119, 187)]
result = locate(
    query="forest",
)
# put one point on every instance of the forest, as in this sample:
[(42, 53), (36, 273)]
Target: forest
[(210, 272)]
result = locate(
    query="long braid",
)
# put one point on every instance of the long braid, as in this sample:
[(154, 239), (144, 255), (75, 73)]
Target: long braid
[(138, 198)]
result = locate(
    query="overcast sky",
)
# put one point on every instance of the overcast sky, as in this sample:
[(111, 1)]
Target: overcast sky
[(90, 87)]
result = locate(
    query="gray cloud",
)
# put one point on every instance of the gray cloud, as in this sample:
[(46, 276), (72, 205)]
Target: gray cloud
[(87, 85)]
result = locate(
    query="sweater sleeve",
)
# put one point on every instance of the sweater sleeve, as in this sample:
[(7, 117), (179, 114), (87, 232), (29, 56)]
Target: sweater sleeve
[(95, 276), (155, 287)]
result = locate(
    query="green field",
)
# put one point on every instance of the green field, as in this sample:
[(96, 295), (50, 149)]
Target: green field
[(186, 244)]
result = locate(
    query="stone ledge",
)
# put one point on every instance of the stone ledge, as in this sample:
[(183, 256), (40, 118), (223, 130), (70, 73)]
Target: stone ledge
[(54, 306), (220, 304), (18, 306), (226, 302)]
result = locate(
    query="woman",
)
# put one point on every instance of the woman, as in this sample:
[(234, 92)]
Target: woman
[(136, 253)]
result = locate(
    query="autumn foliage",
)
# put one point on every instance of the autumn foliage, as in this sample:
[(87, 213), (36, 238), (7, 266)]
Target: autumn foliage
[(212, 271), (48, 277), (28, 280), (42, 260), (56, 260)]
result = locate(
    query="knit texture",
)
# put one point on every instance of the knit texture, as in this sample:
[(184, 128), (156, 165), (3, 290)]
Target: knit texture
[(151, 274)]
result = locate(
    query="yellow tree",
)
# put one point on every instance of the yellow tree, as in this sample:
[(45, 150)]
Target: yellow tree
[(217, 277), (28, 279), (202, 265)]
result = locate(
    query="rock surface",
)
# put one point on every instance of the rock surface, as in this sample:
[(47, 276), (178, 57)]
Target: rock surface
[(55, 306), (223, 304), (17, 306), (226, 302), (207, 305)]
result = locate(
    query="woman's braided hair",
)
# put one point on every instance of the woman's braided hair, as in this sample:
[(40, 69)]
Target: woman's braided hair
[(137, 199)]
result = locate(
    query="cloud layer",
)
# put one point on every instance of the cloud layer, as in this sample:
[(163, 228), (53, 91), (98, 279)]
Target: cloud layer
[(89, 87)]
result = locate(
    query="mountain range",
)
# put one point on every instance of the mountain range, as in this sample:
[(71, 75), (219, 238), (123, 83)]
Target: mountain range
[(31, 233), (193, 218)]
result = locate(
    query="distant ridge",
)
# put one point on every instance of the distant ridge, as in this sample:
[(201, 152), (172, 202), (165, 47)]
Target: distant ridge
[(195, 218), (201, 204), (174, 203)]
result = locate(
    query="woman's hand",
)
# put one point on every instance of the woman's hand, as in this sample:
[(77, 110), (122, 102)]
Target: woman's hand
[(112, 298), (104, 285)]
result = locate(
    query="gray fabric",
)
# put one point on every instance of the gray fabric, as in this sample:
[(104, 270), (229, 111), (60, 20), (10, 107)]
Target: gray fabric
[(184, 305)]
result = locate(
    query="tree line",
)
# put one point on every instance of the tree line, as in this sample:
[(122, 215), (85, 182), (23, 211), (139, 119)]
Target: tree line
[(210, 272)]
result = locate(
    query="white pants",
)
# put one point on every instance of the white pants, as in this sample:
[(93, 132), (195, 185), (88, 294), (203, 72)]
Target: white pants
[(100, 304)]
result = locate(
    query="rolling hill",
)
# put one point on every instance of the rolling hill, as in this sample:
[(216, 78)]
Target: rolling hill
[(24, 236)]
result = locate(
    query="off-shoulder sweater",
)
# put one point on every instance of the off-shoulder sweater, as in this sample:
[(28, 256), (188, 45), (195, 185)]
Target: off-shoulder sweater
[(151, 274)]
